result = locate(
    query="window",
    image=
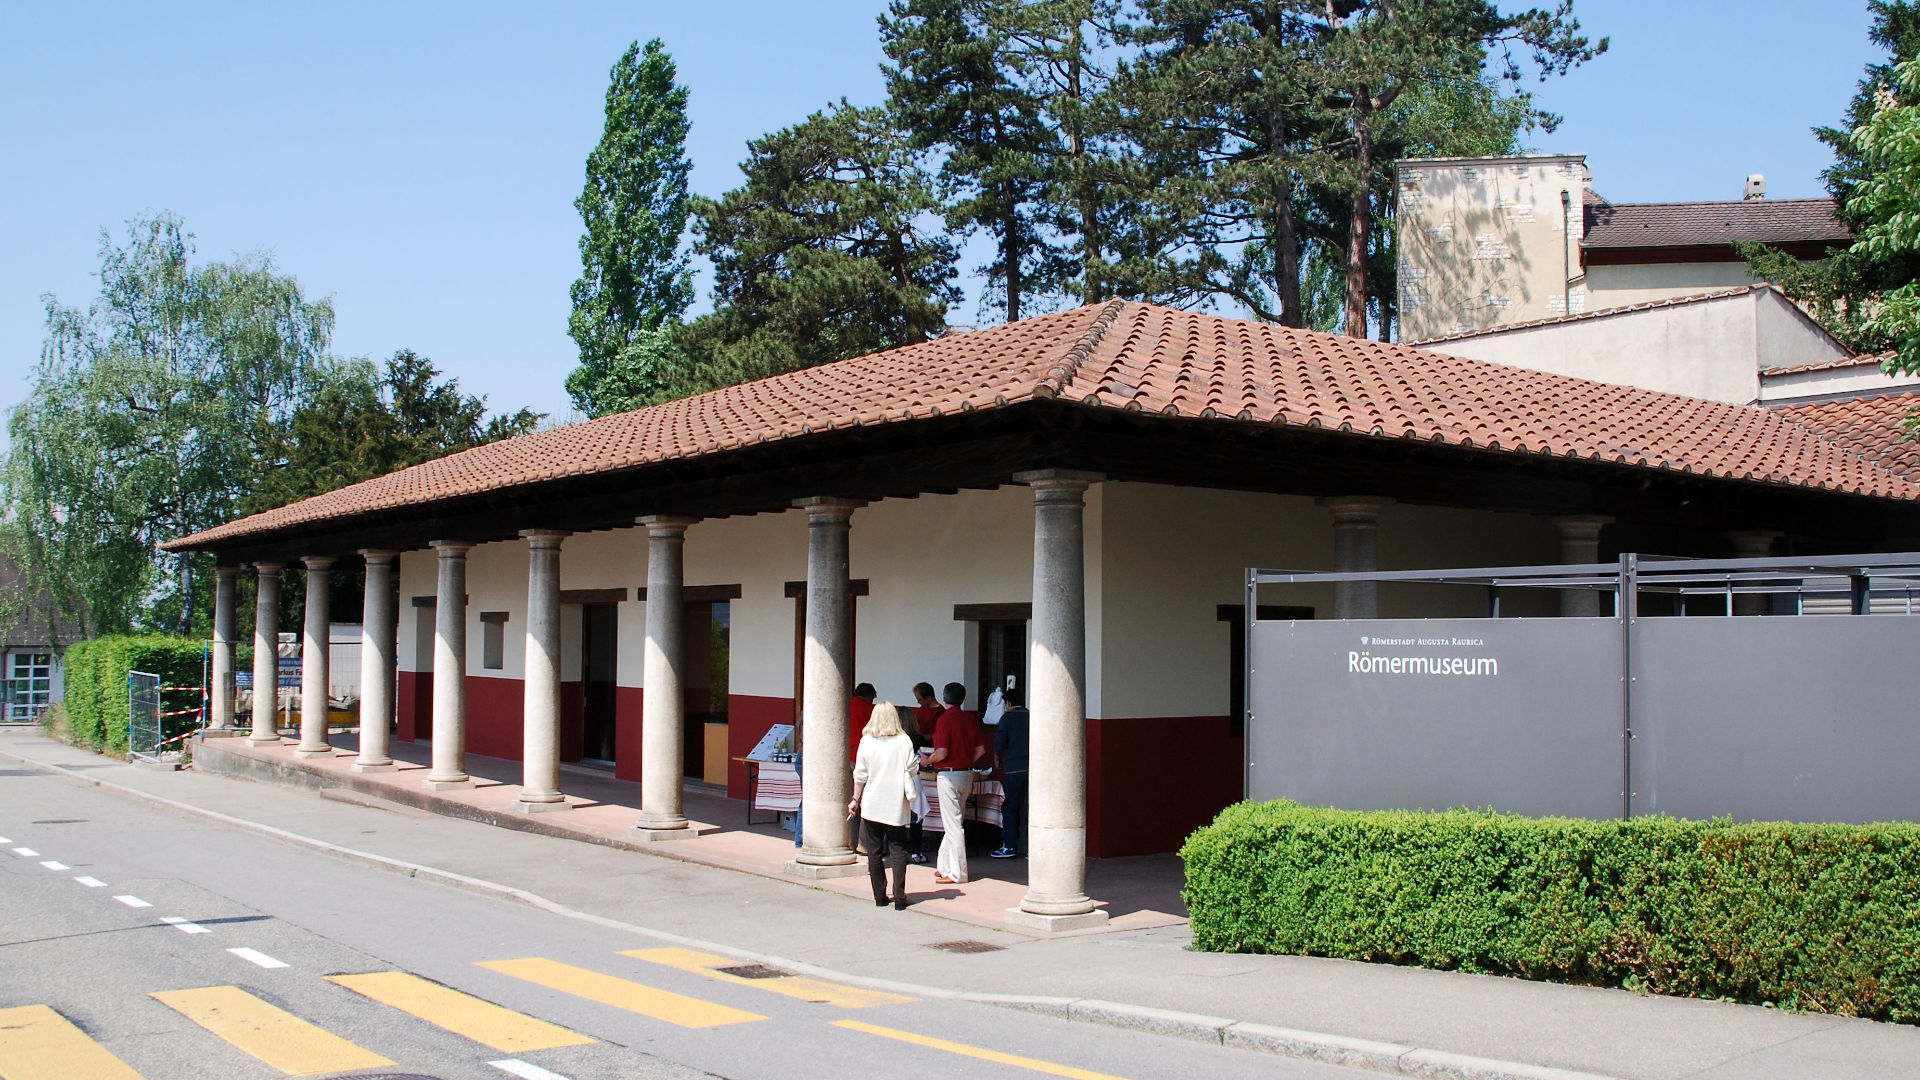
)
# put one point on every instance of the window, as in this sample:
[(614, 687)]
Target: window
[(29, 685), (493, 640)]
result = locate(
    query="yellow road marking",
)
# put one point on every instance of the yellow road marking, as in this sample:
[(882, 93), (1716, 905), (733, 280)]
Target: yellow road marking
[(964, 1050), (37, 1043), (463, 1014), (268, 1032), (794, 986), (665, 1005)]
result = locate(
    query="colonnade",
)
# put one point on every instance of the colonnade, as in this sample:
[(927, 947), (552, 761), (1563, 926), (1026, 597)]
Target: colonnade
[(1056, 898)]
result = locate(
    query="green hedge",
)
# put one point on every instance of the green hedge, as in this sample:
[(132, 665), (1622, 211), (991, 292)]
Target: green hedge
[(96, 685), (1822, 918)]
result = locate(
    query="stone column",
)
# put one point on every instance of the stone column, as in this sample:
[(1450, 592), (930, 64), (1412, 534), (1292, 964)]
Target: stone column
[(826, 781), (1356, 548), (540, 755), (450, 669), (662, 707), (315, 669), (266, 655), (379, 626), (225, 587), (1753, 544), (1580, 544), (1056, 898)]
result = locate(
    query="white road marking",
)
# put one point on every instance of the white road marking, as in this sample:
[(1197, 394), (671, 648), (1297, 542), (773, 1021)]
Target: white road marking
[(4, 840), (525, 1071), (255, 956), (132, 901), (183, 925), (26, 853), (91, 882), (51, 865)]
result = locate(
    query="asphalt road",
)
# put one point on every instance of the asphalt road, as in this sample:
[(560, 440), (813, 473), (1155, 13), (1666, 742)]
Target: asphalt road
[(187, 950)]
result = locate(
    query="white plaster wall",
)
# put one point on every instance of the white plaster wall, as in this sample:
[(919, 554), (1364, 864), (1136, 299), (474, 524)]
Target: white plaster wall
[(1706, 349), (761, 554), (1638, 283), (1172, 555), (418, 577), (1783, 334), (1865, 380), (497, 581)]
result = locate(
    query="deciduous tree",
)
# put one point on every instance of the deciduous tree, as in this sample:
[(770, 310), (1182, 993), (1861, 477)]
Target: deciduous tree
[(634, 282)]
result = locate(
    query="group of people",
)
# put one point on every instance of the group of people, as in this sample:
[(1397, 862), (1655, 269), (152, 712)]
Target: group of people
[(895, 747)]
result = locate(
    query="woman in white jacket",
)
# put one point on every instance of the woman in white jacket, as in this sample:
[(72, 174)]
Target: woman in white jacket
[(885, 773)]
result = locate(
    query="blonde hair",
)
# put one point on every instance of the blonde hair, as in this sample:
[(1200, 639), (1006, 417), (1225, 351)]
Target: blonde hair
[(885, 720)]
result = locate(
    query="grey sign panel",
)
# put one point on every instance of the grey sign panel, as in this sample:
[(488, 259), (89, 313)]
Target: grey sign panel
[(1522, 715), (1805, 719)]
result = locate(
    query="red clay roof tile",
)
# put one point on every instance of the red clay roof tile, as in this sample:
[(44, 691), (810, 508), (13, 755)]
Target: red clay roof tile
[(1152, 359)]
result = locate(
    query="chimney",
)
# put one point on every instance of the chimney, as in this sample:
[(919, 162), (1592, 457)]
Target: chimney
[(1756, 187)]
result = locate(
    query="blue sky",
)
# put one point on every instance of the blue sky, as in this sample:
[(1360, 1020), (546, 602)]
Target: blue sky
[(418, 163)]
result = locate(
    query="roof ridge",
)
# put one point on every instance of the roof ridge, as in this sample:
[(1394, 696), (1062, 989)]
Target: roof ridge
[(1598, 313), (1060, 377), (1742, 202)]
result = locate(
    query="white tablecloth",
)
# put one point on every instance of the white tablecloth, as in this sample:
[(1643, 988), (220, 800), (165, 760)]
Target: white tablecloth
[(778, 791)]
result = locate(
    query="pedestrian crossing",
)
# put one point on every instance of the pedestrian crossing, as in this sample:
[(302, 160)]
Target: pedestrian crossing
[(38, 1043)]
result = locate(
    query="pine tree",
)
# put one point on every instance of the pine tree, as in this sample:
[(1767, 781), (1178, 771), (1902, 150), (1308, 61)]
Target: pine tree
[(823, 254), (634, 283), (951, 89)]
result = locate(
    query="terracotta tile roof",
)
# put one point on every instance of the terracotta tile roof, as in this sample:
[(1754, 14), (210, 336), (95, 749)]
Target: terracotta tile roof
[(1869, 426), (1876, 359), (1699, 224), (1143, 357), (1597, 313)]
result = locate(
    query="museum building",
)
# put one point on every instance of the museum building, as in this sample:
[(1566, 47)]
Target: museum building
[(1071, 501)]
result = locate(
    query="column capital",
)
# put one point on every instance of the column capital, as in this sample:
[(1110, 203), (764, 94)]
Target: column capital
[(1055, 479), (1581, 526), (451, 549), (1753, 543), (829, 507), (379, 556), (1354, 509), (544, 538), (673, 525), (317, 562), (265, 569), (226, 571)]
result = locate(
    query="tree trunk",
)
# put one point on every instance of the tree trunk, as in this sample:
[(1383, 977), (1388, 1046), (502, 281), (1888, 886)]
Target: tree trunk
[(184, 625), (1010, 249), (1286, 239), (916, 326), (1354, 313), (1090, 245)]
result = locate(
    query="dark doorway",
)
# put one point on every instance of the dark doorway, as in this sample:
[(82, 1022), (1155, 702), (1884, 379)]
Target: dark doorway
[(704, 687), (597, 676), (1003, 658), (1235, 616)]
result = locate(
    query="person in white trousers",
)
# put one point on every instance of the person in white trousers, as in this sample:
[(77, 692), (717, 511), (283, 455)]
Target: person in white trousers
[(956, 747)]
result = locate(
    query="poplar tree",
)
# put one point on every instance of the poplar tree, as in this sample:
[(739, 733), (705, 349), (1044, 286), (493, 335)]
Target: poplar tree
[(634, 283)]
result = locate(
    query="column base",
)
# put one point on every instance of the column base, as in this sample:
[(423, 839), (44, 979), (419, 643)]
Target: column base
[(313, 751), (1056, 924), (652, 835), (384, 766), (819, 872), (263, 740), (524, 807), (222, 733), (447, 785)]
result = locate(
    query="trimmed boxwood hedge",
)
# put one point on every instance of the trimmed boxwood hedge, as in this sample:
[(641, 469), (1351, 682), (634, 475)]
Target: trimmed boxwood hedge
[(96, 684), (1821, 918)]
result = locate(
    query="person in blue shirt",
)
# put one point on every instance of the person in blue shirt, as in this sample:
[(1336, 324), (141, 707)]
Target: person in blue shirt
[(1010, 746)]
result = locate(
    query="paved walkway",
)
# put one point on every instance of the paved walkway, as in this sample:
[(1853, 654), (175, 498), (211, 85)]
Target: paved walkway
[(1138, 893), (1405, 1020)]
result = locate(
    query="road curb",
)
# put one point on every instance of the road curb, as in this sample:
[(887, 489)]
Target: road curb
[(1221, 1031)]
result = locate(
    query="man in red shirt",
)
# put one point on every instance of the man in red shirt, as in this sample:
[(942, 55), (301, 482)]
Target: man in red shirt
[(859, 711), (956, 746)]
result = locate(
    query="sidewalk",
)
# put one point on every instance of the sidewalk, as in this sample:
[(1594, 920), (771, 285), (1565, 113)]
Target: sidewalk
[(1468, 1025), (1138, 893)]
